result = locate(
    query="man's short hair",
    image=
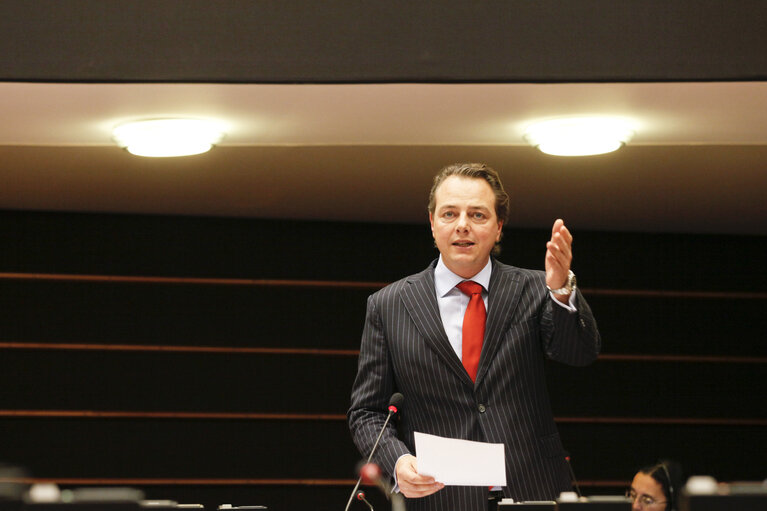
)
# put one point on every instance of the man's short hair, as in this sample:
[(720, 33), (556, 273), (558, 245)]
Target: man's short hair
[(475, 171)]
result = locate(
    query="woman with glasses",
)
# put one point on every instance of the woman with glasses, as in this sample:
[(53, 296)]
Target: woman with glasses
[(654, 487)]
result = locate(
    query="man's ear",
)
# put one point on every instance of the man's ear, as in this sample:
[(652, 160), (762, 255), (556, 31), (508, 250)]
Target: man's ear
[(431, 223), (500, 230)]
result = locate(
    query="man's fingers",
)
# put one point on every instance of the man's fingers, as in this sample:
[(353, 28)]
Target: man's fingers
[(419, 486), (559, 253), (554, 256), (557, 224), (420, 490), (560, 245), (560, 228)]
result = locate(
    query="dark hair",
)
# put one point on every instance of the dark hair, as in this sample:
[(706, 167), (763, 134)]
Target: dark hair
[(475, 171), (669, 475)]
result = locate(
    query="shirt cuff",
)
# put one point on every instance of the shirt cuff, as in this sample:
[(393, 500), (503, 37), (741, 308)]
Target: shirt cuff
[(570, 305)]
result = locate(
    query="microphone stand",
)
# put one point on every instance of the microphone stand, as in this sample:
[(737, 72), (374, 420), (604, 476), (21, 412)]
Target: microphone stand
[(392, 411), (572, 475)]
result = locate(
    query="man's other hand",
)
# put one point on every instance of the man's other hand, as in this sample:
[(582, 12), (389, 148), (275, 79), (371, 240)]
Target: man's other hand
[(411, 483), (559, 255)]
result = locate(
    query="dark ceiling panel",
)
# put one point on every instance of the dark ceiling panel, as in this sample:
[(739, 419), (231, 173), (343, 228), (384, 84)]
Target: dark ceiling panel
[(373, 41)]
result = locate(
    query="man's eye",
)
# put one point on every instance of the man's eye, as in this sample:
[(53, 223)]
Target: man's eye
[(448, 214), (479, 216)]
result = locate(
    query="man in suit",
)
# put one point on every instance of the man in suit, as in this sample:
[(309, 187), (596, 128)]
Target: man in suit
[(414, 342)]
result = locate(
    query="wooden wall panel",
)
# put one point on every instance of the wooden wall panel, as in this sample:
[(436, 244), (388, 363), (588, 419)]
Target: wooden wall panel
[(659, 389), (607, 452), (176, 382), (167, 448), (199, 382), (689, 325), (183, 314)]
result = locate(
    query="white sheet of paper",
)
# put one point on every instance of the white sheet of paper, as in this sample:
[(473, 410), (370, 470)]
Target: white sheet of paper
[(460, 462)]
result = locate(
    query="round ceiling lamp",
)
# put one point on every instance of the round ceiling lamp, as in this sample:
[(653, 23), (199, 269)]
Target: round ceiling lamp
[(168, 137), (580, 136)]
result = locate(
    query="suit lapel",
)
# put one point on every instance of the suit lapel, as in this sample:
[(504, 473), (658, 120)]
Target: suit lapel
[(504, 292), (420, 300)]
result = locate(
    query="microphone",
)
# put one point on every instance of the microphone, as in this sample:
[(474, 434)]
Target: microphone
[(395, 402), (572, 474), (361, 496)]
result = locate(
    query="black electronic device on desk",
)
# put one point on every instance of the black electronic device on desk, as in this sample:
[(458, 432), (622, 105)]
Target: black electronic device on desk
[(596, 503), (48, 497), (570, 502), (167, 505), (225, 507), (703, 493), (542, 505)]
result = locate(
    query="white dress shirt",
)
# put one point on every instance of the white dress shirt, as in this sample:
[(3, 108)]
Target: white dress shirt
[(452, 302)]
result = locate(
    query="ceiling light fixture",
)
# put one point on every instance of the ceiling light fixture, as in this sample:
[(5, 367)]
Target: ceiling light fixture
[(580, 136), (168, 137)]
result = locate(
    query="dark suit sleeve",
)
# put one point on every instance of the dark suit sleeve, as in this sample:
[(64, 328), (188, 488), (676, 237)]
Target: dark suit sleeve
[(371, 392), (570, 337)]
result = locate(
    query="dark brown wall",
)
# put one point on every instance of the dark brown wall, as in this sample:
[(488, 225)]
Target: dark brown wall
[(210, 360)]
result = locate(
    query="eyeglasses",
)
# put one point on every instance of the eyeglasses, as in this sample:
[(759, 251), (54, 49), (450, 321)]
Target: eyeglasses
[(644, 500)]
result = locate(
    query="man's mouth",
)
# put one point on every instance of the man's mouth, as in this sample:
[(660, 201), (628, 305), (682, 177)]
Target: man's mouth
[(463, 244)]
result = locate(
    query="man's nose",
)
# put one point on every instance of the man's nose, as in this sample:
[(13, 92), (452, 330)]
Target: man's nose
[(463, 222)]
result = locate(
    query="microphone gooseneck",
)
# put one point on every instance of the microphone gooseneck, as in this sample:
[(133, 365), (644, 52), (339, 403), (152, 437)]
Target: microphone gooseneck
[(572, 475), (395, 402), (361, 496)]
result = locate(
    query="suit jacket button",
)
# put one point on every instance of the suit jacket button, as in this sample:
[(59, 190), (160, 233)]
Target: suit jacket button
[(481, 408)]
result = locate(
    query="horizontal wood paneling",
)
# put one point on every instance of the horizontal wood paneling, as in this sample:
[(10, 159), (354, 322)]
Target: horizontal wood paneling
[(262, 416), (183, 382), (166, 246), (612, 452), (245, 382), (211, 281), (192, 315), (681, 325), (662, 261), (113, 244), (628, 357), (322, 449), (242, 314), (182, 355), (658, 389), (145, 448)]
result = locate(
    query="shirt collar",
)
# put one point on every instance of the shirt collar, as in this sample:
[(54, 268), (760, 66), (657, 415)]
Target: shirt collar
[(445, 280)]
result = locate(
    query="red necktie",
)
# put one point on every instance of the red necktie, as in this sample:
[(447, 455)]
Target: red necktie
[(473, 327)]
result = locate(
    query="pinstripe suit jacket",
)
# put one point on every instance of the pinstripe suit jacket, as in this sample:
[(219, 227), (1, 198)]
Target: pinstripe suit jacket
[(404, 348)]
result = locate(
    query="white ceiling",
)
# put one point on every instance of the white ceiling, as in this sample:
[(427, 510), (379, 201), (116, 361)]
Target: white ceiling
[(698, 161)]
